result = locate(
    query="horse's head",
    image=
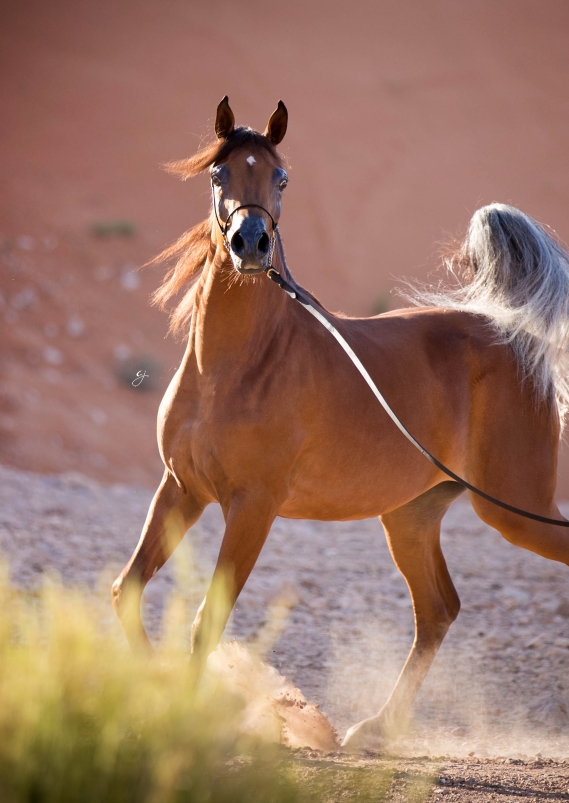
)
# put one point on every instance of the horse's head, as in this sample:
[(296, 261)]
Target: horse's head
[(247, 187)]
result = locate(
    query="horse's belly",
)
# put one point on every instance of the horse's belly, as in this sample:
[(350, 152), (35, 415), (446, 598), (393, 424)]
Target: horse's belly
[(368, 489), (327, 510)]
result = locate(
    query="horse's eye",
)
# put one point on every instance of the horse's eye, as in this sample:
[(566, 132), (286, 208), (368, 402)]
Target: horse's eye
[(216, 181), (283, 183)]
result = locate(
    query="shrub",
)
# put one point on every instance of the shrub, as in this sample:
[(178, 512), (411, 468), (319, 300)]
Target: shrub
[(84, 719)]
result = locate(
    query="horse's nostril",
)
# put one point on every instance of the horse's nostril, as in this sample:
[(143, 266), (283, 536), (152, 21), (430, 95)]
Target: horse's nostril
[(237, 244), (263, 244)]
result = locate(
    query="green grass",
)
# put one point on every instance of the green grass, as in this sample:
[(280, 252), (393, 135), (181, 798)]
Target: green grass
[(113, 228), (83, 719)]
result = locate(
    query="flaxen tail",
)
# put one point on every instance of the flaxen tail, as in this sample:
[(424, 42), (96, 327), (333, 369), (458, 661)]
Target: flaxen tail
[(514, 272)]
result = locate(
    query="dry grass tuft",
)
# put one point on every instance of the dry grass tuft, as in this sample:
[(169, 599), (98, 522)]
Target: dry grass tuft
[(82, 718)]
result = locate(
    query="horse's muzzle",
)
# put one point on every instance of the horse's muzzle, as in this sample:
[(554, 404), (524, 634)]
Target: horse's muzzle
[(250, 246)]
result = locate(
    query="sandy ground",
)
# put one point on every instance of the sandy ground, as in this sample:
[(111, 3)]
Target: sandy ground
[(493, 715), (456, 780)]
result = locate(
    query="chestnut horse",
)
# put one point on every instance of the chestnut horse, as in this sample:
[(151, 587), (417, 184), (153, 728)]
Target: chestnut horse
[(267, 416)]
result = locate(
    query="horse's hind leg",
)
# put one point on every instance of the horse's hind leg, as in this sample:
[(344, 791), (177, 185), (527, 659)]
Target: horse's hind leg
[(546, 540), (171, 513), (413, 535)]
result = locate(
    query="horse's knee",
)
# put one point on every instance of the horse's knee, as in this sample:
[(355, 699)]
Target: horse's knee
[(125, 596), (116, 595), (208, 626)]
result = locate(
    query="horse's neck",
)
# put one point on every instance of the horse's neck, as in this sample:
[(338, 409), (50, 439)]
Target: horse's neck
[(233, 315)]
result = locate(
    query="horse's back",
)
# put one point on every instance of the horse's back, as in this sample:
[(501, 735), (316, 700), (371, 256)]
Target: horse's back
[(451, 383)]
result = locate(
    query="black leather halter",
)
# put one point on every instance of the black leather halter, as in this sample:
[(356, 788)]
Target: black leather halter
[(224, 227)]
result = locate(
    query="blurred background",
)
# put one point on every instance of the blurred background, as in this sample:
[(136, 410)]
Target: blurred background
[(405, 116)]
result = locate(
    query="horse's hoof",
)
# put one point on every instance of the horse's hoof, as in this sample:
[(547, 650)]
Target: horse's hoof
[(365, 737)]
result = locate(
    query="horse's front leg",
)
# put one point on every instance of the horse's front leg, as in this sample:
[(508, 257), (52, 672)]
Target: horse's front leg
[(172, 512), (248, 520)]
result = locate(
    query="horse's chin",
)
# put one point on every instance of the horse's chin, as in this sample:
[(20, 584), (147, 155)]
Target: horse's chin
[(250, 270)]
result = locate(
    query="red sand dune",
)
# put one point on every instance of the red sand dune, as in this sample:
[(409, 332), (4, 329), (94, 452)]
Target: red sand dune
[(404, 118)]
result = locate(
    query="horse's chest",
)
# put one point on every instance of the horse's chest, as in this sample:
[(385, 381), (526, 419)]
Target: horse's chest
[(217, 430)]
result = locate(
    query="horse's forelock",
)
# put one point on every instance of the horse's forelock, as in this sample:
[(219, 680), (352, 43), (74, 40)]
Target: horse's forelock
[(219, 150)]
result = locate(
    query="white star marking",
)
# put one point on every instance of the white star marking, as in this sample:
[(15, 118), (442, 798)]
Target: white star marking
[(251, 160)]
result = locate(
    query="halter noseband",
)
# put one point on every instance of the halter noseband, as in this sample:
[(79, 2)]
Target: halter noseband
[(224, 227)]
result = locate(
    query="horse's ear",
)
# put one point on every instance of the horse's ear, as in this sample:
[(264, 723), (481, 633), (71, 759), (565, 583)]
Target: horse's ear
[(276, 127), (224, 119)]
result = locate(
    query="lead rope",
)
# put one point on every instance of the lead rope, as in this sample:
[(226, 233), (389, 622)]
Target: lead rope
[(309, 306)]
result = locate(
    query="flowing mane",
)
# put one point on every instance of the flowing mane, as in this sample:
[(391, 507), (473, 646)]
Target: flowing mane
[(187, 257)]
